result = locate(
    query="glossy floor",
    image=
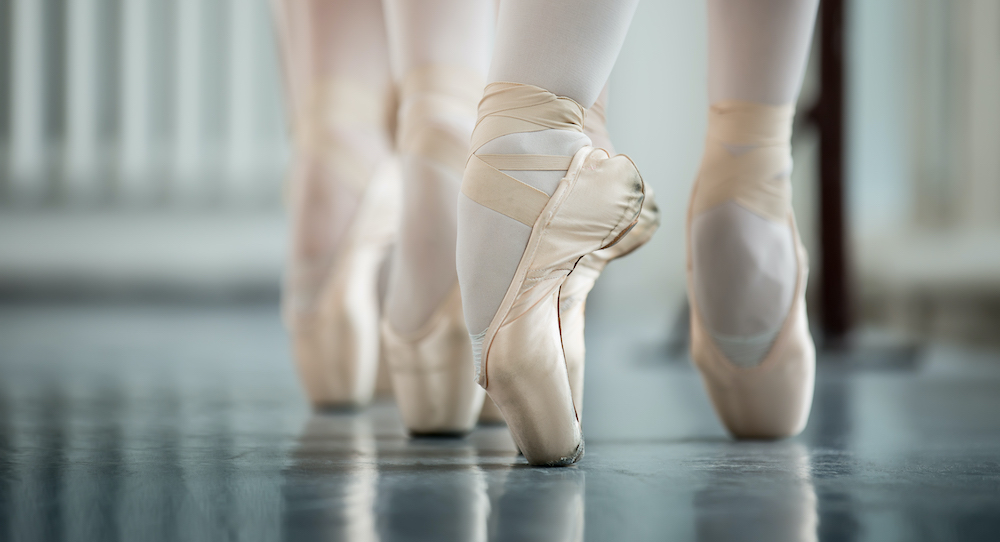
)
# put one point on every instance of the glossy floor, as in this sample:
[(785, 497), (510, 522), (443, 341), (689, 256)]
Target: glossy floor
[(186, 423)]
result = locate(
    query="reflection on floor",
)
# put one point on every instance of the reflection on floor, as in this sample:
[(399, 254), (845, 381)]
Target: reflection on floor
[(185, 423)]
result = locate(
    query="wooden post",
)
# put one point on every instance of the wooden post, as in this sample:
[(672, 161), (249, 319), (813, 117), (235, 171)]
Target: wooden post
[(835, 317)]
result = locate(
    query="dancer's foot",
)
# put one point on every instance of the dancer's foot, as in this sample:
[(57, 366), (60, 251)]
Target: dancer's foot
[(531, 231), (747, 273), (344, 199), (424, 334)]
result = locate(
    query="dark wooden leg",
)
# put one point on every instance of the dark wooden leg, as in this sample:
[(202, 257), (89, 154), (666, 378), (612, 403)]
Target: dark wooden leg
[(835, 317)]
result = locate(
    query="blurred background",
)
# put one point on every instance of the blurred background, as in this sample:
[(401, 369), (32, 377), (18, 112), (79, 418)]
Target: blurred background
[(147, 391), (143, 146)]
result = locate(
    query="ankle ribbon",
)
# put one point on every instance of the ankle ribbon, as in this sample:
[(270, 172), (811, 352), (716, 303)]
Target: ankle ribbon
[(509, 108), (747, 159)]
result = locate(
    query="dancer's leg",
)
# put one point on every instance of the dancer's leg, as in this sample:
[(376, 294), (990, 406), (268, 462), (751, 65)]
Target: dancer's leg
[(439, 51), (744, 257), (536, 200), (333, 53), (757, 49), (440, 55), (596, 125), (340, 105), (564, 46), (567, 47)]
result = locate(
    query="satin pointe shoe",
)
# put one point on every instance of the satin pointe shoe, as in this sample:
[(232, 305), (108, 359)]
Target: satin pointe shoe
[(521, 363), (746, 145), (431, 369), (334, 328), (573, 295), (383, 380), (490, 414)]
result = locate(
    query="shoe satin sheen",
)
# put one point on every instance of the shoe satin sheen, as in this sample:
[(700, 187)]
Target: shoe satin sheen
[(523, 365), (336, 341), (490, 415), (573, 295), (432, 371), (773, 398), (574, 292), (334, 330)]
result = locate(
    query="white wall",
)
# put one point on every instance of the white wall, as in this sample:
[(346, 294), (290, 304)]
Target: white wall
[(879, 97), (656, 115), (169, 103)]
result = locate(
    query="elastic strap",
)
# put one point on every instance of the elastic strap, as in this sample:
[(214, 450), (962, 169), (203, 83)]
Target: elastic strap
[(339, 104), (508, 108), (428, 95), (748, 159)]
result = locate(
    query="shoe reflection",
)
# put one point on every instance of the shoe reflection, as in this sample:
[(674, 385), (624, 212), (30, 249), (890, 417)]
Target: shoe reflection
[(758, 491), (435, 497), (329, 490), (538, 504), (351, 478)]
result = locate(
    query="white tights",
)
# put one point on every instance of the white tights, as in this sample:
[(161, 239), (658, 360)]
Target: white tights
[(757, 49), (744, 264), (567, 47), (329, 45), (453, 34)]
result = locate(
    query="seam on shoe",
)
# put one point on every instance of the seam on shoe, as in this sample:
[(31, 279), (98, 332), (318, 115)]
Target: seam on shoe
[(477, 349), (642, 189)]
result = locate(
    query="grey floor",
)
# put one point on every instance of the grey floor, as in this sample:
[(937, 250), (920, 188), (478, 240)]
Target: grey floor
[(185, 423)]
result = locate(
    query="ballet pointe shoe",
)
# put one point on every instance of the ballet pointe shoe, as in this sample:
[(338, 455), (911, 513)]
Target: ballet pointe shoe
[(490, 414), (431, 369), (433, 376), (521, 363), (383, 380), (334, 330), (573, 295), (574, 292), (773, 398), (336, 342)]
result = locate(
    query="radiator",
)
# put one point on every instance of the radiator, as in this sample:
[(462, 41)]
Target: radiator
[(139, 103), (954, 50)]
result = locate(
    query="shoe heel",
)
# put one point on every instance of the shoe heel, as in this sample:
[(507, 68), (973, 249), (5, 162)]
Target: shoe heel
[(336, 349), (433, 376), (531, 386)]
